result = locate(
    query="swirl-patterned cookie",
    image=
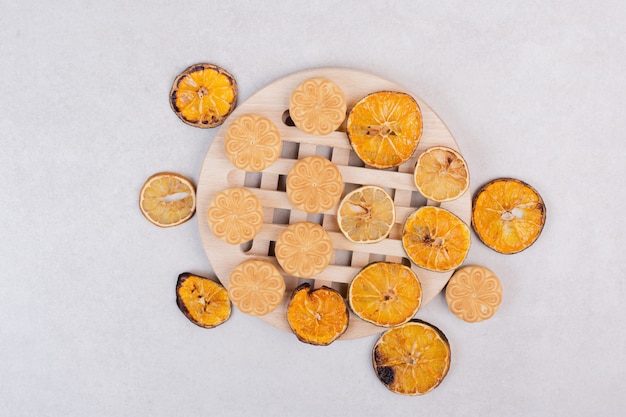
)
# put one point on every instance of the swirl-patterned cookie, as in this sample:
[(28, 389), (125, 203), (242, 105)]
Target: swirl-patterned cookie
[(256, 287), (235, 215), (474, 293), (317, 106), (303, 249), (252, 142), (314, 184)]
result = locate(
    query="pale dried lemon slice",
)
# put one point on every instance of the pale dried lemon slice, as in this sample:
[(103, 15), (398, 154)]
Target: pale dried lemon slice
[(317, 106), (167, 199), (314, 184), (474, 293), (235, 215), (441, 174), (256, 287), (366, 215), (303, 249), (252, 142)]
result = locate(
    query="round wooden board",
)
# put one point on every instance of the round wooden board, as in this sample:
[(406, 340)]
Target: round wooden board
[(273, 102)]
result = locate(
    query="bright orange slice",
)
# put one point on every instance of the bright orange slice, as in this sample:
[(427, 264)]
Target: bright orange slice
[(385, 294), (303, 249), (256, 287), (203, 95), (252, 142), (412, 359), (167, 199), (366, 215), (441, 174), (474, 293), (203, 301), (235, 215), (314, 184), (317, 106), (435, 239), (508, 215), (384, 128)]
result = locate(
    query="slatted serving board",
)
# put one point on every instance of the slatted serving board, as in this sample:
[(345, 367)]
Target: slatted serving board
[(348, 258)]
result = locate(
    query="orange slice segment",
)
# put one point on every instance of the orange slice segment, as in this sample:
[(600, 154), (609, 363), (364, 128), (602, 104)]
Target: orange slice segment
[(317, 317), (203, 95), (412, 359), (508, 215), (435, 239), (441, 174), (252, 142), (235, 215), (303, 249), (167, 199), (474, 293), (317, 106), (385, 294), (366, 215), (384, 128), (203, 301), (256, 287), (314, 184)]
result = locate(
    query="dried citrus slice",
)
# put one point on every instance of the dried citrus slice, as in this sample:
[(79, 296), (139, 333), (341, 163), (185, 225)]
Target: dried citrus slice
[(256, 287), (203, 301), (317, 106), (314, 184), (441, 174), (167, 199), (252, 142), (303, 249), (385, 294), (474, 293), (235, 215), (203, 95), (412, 359), (384, 128), (366, 215), (435, 239), (317, 316), (508, 215)]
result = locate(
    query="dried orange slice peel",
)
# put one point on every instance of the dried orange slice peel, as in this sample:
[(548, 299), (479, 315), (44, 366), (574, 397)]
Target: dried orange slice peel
[(441, 174), (167, 199), (203, 301), (474, 293), (252, 142), (256, 287), (314, 184), (303, 249), (317, 106), (366, 215), (235, 215)]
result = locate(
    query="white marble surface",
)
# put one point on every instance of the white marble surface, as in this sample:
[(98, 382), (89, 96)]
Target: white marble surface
[(88, 323)]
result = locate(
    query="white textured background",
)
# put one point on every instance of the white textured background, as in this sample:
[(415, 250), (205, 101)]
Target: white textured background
[(88, 323)]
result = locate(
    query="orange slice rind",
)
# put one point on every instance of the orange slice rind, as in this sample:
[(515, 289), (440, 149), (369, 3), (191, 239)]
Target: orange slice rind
[(474, 293), (317, 106), (314, 184), (252, 142), (235, 215), (167, 199), (441, 174), (256, 287), (366, 215), (303, 249)]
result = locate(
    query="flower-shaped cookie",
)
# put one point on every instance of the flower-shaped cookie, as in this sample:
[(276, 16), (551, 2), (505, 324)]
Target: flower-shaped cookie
[(252, 142), (314, 184), (235, 215), (317, 106), (256, 287), (303, 249), (474, 293)]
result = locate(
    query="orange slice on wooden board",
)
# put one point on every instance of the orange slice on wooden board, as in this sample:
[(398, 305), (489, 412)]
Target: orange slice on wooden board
[(317, 317), (317, 106), (203, 95), (167, 199), (441, 174), (366, 215), (474, 293), (235, 215), (412, 359), (384, 128), (435, 239), (385, 294), (256, 287), (203, 301), (508, 215), (303, 249), (314, 184), (252, 142)]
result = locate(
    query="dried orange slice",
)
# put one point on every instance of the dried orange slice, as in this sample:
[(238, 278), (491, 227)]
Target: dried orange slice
[(474, 293), (167, 199), (317, 316), (366, 215), (314, 184), (435, 239), (441, 174), (203, 95), (412, 359), (508, 215), (252, 142), (303, 249), (384, 128), (203, 301), (317, 106), (385, 294), (235, 215), (256, 287)]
